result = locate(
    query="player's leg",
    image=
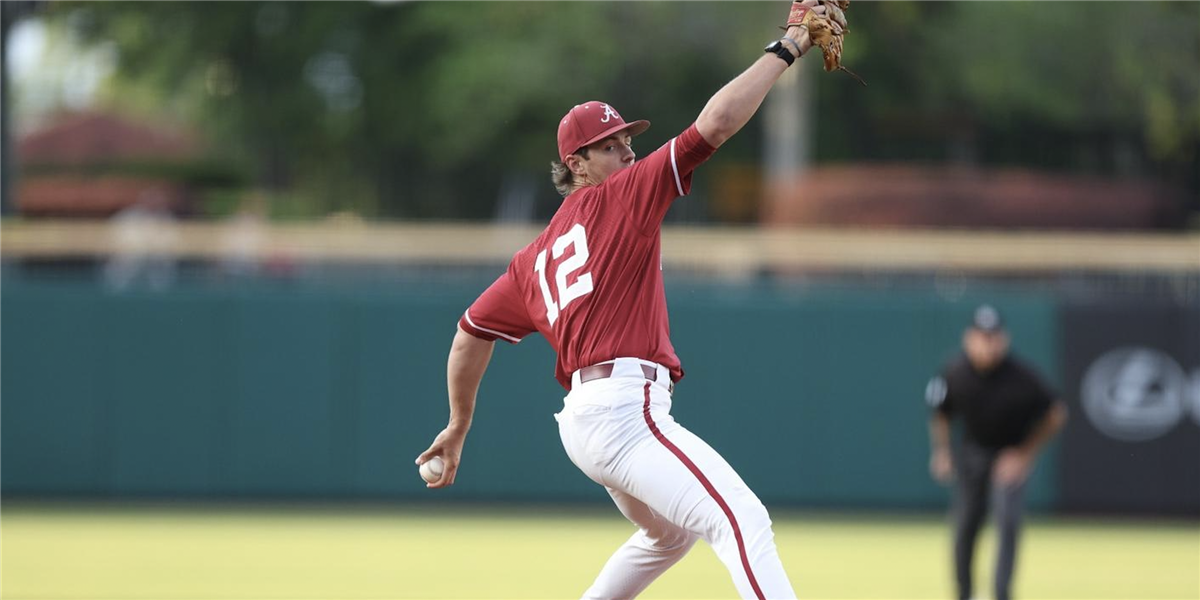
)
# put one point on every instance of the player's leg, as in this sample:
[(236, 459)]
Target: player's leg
[(972, 472), (682, 478), (599, 422), (1009, 505), (656, 546)]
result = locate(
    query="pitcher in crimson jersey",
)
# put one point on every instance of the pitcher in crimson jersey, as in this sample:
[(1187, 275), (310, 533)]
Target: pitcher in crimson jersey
[(592, 285)]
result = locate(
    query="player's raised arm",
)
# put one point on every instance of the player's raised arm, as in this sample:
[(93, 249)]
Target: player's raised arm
[(469, 358), (732, 106)]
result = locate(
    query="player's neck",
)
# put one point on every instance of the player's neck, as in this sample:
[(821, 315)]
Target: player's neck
[(585, 183)]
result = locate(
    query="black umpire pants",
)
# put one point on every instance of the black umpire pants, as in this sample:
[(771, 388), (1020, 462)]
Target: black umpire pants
[(973, 489)]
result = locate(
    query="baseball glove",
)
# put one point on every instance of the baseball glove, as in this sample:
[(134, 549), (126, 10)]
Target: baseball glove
[(825, 30)]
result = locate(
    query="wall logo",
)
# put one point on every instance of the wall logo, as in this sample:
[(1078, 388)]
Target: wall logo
[(1135, 394)]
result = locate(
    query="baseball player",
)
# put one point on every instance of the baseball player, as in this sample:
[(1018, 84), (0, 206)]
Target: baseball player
[(592, 285), (1008, 414)]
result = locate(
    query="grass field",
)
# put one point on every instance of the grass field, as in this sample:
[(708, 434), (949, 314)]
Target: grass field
[(479, 552)]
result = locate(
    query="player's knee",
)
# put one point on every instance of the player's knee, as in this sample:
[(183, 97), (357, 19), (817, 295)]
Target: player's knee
[(679, 544), (752, 521), (670, 540), (753, 515), (757, 530)]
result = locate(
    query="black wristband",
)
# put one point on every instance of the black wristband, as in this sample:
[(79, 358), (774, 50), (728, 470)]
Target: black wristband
[(778, 49)]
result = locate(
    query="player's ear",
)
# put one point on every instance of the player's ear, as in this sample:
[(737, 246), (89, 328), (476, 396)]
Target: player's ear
[(574, 162)]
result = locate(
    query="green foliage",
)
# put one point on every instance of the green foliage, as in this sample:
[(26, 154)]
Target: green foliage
[(424, 107), (427, 102), (1122, 65), (205, 173)]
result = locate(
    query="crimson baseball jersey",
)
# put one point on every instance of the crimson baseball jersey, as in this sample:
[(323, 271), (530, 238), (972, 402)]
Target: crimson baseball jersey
[(591, 283)]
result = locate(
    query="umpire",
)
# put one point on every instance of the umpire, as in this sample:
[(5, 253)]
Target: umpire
[(1008, 414)]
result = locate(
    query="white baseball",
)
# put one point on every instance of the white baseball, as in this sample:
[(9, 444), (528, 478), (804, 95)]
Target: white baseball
[(431, 470)]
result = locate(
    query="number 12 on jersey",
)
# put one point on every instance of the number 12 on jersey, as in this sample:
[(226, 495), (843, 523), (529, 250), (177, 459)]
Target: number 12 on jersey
[(576, 238)]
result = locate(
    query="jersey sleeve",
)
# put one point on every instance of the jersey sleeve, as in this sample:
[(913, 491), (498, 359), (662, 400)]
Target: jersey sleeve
[(937, 395), (498, 313), (651, 184)]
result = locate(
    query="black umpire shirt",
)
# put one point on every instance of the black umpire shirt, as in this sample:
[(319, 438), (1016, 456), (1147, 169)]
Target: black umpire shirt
[(998, 408)]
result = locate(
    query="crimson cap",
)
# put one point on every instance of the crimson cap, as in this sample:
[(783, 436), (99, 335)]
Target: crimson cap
[(589, 123)]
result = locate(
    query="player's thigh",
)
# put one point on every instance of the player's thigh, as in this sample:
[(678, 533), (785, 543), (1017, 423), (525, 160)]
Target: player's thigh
[(681, 477)]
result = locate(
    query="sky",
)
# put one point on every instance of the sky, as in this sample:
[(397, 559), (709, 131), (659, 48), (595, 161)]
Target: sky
[(51, 72)]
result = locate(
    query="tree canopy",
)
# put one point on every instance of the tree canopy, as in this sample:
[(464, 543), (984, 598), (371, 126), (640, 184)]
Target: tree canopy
[(425, 109)]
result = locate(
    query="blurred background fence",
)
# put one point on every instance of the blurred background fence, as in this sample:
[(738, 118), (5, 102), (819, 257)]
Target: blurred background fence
[(311, 364)]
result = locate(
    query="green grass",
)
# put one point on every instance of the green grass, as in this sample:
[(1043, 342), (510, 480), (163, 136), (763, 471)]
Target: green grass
[(473, 552)]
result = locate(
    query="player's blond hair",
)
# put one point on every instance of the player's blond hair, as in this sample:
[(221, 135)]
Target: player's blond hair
[(562, 177)]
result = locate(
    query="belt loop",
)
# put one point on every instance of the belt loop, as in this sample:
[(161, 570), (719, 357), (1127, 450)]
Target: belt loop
[(650, 371)]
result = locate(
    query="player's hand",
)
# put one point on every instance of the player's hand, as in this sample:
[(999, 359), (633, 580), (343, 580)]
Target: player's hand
[(941, 468), (825, 22), (796, 14), (806, 14), (448, 444), (799, 35), (1012, 467)]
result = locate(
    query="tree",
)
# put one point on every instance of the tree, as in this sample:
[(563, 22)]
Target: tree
[(420, 109), (383, 108), (10, 13)]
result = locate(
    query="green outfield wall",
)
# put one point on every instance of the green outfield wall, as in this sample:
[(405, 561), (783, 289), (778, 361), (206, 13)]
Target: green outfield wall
[(305, 390)]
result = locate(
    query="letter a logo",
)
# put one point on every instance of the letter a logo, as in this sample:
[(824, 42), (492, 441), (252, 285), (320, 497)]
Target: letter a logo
[(609, 113)]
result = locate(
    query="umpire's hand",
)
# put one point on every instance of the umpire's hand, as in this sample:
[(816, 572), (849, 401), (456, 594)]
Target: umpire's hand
[(941, 468), (1012, 467)]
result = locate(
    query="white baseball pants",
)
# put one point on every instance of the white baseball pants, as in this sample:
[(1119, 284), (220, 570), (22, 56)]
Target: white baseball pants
[(668, 482)]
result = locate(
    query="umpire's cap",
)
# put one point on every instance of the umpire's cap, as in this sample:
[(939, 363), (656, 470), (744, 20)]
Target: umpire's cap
[(589, 123), (987, 319)]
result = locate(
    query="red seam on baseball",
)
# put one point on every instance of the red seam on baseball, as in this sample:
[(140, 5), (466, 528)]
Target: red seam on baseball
[(712, 491)]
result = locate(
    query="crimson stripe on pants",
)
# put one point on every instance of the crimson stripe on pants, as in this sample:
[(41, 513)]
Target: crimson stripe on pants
[(712, 491)]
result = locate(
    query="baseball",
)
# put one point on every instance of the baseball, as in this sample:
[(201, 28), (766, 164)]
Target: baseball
[(431, 470)]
